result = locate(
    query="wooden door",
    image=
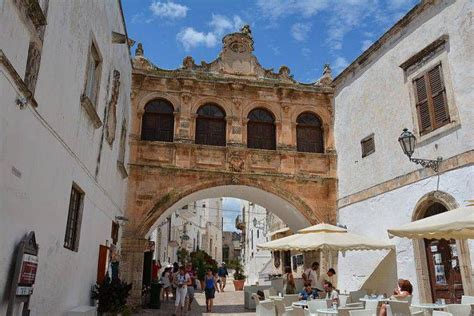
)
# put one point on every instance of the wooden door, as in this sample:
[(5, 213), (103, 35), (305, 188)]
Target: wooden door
[(261, 135), (211, 131), (103, 263), (444, 270), (309, 139)]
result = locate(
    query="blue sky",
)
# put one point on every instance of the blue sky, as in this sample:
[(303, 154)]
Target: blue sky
[(301, 34), (231, 207)]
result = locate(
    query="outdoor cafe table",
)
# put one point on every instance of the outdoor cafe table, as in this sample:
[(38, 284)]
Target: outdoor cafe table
[(300, 304), (327, 311), (275, 297), (430, 307)]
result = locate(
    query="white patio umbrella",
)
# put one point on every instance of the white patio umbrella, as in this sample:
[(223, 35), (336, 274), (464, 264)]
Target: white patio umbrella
[(455, 224), (326, 237)]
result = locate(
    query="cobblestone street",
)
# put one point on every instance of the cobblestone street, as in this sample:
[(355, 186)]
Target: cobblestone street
[(229, 303)]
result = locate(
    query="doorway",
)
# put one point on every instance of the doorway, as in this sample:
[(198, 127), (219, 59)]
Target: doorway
[(443, 264)]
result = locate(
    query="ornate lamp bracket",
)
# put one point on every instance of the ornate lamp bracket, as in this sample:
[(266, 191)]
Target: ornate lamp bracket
[(428, 163)]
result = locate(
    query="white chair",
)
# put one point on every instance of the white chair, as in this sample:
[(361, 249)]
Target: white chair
[(362, 312), (289, 299), (295, 312), (372, 305), (281, 309), (266, 308), (344, 311), (314, 305), (398, 308), (307, 313), (459, 309), (440, 313), (466, 299)]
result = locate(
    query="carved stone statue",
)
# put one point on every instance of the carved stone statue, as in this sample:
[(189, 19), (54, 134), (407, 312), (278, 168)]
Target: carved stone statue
[(112, 109), (246, 30), (139, 50)]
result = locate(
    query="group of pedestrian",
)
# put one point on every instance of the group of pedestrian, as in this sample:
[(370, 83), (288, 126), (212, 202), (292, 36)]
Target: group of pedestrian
[(315, 286), (180, 281)]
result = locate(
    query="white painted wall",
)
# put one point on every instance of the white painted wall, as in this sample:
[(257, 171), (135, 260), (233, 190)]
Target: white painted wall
[(374, 216), (54, 145), (203, 219), (377, 98), (254, 260)]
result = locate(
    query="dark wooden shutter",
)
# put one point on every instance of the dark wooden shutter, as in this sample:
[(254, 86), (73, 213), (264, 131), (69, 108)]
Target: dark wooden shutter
[(438, 95), (431, 102), (261, 135), (422, 105), (368, 145)]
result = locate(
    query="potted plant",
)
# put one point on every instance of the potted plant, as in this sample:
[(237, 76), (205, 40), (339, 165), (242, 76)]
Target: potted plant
[(239, 277), (111, 296)]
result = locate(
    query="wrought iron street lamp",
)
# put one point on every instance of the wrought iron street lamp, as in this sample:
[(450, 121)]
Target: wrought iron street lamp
[(408, 143)]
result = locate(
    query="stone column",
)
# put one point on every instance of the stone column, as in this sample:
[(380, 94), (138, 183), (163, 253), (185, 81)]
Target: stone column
[(131, 269)]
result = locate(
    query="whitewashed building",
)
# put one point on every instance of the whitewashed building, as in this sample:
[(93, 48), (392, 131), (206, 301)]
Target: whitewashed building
[(64, 97), (419, 76), (201, 223)]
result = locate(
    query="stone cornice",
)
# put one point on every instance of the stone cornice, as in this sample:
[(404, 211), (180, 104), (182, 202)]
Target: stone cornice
[(219, 79), (20, 84)]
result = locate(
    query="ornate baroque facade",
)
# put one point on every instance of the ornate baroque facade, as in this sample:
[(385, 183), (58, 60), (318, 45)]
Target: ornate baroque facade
[(230, 122)]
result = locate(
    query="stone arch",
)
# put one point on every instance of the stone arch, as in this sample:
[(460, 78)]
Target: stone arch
[(273, 108), (423, 278), (225, 104), (175, 199), (145, 98)]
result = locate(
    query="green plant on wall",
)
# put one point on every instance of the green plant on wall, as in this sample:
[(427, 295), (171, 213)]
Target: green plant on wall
[(202, 261), (183, 255)]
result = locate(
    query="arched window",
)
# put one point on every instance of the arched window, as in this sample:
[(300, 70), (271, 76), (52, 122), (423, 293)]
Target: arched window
[(211, 126), (309, 133), (158, 121), (261, 130)]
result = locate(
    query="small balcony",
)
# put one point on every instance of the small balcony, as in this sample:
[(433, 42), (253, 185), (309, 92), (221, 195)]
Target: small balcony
[(239, 223)]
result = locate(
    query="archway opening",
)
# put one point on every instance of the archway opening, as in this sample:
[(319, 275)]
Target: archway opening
[(443, 263)]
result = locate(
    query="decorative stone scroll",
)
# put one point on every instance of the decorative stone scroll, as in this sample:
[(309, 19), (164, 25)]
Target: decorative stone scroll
[(112, 109)]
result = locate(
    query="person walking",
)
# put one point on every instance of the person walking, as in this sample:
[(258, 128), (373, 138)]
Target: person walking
[(193, 284), (289, 286), (210, 287), (181, 281), (165, 281), (223, 273)]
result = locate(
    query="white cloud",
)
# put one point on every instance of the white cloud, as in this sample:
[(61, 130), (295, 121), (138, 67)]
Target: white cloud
[(220, 24), (278, 8), (300, 31), (366, 44), (168, 9), (191, 38), (339, 64)]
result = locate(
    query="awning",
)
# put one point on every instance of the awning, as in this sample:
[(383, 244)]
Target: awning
[(279, 231), (326, 237), (455, 224)]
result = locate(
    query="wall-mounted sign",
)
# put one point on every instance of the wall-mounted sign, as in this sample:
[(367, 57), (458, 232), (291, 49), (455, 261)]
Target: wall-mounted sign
[(24, 275)]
